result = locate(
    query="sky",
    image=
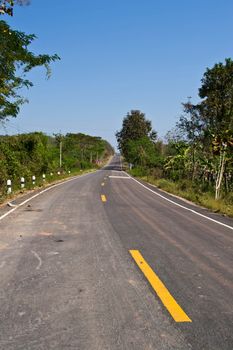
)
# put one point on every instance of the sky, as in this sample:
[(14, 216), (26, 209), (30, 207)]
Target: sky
[(119, 55)]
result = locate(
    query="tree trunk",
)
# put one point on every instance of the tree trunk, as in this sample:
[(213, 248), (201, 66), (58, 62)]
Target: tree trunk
[(220, 174)]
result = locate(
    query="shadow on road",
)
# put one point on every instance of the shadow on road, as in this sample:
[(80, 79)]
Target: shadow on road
[(113, 166)]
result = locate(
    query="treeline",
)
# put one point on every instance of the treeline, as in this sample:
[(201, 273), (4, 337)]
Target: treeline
[(35, 153), (197, 153)]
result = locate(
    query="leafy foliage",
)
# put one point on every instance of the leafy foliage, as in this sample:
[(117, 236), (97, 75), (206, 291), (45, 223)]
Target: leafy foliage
[(81, 150), (207, 131), (6, 6), (15, 62), (208, 126), (199, 150), (142, 152), (37, 153), (135, 127)]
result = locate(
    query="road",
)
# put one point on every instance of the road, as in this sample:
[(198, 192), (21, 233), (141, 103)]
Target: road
[(103, 262)]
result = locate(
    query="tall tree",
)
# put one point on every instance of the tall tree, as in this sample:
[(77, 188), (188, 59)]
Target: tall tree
[(141, 152), (216, 110), (217, 94), (15, 62), (210, 122), (135, 126), (191, 127), (6, 6)]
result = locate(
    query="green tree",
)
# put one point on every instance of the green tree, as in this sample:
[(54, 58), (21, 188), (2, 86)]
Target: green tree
[(208, 125), (135, 127), (6, 6), (141, 152), (217, 93), (15, 62), (216, 111), (191, 128), (36, 153)]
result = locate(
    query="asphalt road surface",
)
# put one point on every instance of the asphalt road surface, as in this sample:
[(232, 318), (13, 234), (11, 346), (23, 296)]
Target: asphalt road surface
[(103, 262)]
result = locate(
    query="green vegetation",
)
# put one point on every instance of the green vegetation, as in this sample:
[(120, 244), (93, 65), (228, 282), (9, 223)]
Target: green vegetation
[(135, 139), (36, 154), (196, 161), (190, 191), (15, 62), (6, 6)]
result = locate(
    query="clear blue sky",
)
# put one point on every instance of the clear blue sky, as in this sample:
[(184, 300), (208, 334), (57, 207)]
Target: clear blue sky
[(118, 55)]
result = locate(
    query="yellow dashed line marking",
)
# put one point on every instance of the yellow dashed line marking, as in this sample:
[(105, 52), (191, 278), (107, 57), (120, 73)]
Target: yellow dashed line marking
[(103, 198), (167, 299)]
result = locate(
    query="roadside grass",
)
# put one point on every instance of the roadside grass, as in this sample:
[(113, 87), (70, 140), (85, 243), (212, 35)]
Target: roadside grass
[(191, 192)]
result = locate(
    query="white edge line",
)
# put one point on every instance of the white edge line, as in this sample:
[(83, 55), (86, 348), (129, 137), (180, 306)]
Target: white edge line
[(43, 191), (11, 205), (181, 206), (119, 177)]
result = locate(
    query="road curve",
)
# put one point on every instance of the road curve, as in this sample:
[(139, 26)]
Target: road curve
[(69, 280)]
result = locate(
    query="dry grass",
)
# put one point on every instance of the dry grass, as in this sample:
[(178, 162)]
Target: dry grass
[(186, 190)]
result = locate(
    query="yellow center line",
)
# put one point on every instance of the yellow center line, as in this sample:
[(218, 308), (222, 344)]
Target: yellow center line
[(163, 293), (103, 198)]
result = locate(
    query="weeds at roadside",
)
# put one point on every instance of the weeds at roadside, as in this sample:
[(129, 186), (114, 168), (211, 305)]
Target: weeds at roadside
[(188, 190)]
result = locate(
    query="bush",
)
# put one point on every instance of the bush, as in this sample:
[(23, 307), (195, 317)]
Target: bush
[(138, 171), (36, 153)]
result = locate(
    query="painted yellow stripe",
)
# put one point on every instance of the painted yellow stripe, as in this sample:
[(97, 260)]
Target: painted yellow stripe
[(103, 198), (167, 299)]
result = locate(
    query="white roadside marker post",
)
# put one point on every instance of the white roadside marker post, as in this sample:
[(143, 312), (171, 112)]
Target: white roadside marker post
[(58, 173), (43, 176), (22, 182), (33, 180), (51, 174), (9, 188)]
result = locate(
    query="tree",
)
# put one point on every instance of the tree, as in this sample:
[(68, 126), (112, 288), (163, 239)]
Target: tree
[(191, 127), (141, 152), (6, 6), (217, 112), (210, 122), (217, 94), (135, 127), (15, 62)]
